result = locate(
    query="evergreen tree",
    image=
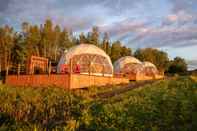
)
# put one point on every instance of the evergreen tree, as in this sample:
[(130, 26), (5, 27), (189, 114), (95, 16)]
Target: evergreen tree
[(47, 38), (115, 51), (93, 37), (75, 41), (82, 38), (33, 40), (25, 27), (19, 51), (126, 51), (65, 39), (106, 43), (56, 44)]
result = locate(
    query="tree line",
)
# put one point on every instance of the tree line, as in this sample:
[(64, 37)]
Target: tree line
[(50, 40)]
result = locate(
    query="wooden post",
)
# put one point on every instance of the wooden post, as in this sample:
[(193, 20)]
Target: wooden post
[(70, 75), (103, 70), (0, 68), (49, 70), (19, 68), (7, 70), (89, 68), (71, 68)]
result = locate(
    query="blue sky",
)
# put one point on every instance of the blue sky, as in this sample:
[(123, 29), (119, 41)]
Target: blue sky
[(170, 25)]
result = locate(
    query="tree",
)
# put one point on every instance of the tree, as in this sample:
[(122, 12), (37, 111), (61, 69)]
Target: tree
[(157, 57), (178, 65), (47, 38), (33, 40), (57, 33), (82, 38), (19, 51), (126, 51), (93, 37), (6, 44), (65, 39), (75, 41), (25, 27), (106, 43), (115, 51)]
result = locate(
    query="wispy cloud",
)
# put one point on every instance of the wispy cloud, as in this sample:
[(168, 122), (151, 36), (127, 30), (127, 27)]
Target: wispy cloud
[(138, 23), (123, 27), (76, 14), (167, 37)]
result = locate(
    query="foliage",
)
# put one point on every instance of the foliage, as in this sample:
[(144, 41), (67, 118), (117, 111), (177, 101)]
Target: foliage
[(93, 37), (6, 44), (106, 43), (49, 40), (178, 65), (157, 57), (19, 53), (118, 51), (193, 77), (164, 105)]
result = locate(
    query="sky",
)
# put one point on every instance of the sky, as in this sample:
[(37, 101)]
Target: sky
[(169, 25)]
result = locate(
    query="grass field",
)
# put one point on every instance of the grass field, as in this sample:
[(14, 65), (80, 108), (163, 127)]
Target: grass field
[(194, 78), (160, 106)]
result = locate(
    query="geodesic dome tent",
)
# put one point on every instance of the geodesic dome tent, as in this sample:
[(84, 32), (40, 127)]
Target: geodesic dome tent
[(128, 65), (89, 59), (150, 69)]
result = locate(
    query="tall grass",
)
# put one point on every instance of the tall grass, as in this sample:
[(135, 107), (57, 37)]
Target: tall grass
[(194, 77), (164, 105)]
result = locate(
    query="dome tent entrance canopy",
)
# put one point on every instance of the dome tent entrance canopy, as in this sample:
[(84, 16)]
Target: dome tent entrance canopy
[(91, 60)]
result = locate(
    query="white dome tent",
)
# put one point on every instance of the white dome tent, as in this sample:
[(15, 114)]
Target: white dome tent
[(91, 60), (150, 69), (127, 64), (120, 64), (134, 69)]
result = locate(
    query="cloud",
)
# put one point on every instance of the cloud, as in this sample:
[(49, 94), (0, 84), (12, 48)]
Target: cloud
[(138, 23), (186, 5), (178, 29), (123, 27), (74, 14), (180, 18), (192, 64), (4, 5), (166, 37)]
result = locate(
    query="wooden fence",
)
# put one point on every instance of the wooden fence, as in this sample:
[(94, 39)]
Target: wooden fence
[(67, 81), (38, 80)]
